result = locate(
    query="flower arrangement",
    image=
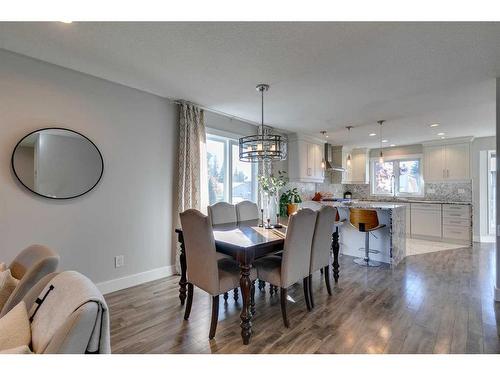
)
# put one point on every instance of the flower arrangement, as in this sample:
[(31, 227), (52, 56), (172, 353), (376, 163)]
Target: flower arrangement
[(272, 184)]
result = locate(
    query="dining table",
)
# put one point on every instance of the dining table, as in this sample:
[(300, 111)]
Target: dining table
[(247, 241)]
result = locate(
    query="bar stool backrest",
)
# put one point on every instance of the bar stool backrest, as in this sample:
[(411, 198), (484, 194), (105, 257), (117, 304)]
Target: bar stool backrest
[(362, 216)]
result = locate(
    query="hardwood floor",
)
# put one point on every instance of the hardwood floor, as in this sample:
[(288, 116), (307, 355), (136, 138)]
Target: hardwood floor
[(431, 303)]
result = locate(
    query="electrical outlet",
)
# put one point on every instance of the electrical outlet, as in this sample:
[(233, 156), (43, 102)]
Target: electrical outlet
[(461, 191), (119, 261)]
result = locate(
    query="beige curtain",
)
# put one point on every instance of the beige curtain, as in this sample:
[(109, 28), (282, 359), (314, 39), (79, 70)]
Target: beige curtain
[(192, 186)]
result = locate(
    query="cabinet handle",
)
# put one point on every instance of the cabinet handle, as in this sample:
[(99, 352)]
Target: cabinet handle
[(308, 171)]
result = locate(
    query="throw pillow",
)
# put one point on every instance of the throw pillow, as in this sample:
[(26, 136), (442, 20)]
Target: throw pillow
[(7, 285), (15, 329)]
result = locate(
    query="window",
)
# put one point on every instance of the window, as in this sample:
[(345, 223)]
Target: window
[(229, 179), (398, 177)]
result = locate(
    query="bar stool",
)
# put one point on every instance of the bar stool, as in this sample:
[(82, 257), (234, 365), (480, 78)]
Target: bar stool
[(365, 221)]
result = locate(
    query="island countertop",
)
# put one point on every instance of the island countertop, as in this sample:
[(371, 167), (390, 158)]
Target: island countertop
[(365, 205)]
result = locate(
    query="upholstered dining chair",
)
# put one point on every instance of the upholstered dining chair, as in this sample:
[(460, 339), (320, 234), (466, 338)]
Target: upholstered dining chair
[(66, 314), (247, 210), (29, 266), (222, 213), (204, 270), (321, 248), (294, 264)]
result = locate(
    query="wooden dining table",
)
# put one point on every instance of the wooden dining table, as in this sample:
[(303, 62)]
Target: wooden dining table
[(246, 241)]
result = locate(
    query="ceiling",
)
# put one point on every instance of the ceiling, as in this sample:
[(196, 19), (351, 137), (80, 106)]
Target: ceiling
[(323, 76)]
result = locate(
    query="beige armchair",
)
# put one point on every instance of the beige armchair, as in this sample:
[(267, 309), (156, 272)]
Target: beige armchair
[(294, 264), (32, 264), (215, 276), (322, 247), (68, 315)]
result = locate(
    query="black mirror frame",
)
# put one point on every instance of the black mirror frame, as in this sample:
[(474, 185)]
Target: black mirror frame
[(56, 128)]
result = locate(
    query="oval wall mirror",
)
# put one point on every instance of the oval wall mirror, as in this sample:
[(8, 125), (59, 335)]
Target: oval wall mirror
[(57, 163)]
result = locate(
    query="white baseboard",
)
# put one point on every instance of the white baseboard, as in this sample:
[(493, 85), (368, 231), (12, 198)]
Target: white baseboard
[(484, 239), (132, 280)]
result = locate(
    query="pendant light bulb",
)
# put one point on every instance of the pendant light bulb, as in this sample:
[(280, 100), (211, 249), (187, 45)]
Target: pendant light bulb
[(381, 157), (348, 160)]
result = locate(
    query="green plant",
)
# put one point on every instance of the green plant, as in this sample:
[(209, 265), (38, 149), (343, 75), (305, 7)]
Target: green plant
[(288, 197)]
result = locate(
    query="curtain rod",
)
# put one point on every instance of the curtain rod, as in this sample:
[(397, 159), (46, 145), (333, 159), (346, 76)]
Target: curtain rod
[(217, 112)]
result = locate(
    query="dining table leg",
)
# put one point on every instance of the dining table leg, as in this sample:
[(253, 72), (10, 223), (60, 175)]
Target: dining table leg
[(182, 260), (335, 249), (246, 314)]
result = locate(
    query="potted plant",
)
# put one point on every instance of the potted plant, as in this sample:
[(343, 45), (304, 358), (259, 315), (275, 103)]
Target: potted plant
[(270, 186), (289, 202)]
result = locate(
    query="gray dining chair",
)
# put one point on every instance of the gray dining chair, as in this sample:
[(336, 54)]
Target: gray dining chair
[(321, 249), (204, 270), (312, 205), (223, 213), (294, 264), (247, 210), (29, 266)]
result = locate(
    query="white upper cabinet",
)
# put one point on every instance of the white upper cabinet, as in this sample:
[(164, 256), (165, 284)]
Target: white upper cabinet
[(305, 159), (447, 162), (357, 171)]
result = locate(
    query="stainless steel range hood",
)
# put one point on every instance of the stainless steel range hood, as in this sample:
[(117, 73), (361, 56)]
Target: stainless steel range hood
[(333, 158)]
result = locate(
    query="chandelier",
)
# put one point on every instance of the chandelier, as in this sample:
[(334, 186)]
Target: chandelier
[(263, 146)]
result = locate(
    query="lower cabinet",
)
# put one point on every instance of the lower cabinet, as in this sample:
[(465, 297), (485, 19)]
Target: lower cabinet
[(441, 222), (426, 220)]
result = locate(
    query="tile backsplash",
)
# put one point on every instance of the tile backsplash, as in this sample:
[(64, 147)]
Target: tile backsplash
[(445, 191)]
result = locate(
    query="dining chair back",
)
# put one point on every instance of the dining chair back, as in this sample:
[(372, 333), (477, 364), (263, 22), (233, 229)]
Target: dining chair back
[(322, 240), (221, 213), (247, 210), (200, 251), (297, 248)]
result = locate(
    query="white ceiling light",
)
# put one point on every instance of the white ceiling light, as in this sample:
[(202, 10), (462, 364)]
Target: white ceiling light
[(440, 134), (372, 134), (393, 145), (384, 141), (434, 125)]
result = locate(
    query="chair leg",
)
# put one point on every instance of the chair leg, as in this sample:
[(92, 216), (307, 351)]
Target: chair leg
[(311, 298), (215, 317), (226, 296), (327, 280), (235, 292), (262, 286), (252, 298), (283, 307), (306, 292), (189, 301), (271, 289)]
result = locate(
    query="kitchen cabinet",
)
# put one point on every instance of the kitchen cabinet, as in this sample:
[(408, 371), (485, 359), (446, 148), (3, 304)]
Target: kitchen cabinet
[(447, 162), (457, 223), (305, 159), (426, 220), (357, 171)]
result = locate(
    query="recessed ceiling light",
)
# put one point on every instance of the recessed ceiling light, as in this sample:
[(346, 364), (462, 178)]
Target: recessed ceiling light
[(384, 141), (440, 133), (372, 134), (393, 145), (443, 137), (434, 125)]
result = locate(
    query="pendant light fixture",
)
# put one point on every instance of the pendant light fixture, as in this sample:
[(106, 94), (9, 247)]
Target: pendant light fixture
[(381, 156), (348, 160), (263, 146)]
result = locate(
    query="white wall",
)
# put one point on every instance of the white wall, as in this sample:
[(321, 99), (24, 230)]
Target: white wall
[(130, 210), (479, 150)]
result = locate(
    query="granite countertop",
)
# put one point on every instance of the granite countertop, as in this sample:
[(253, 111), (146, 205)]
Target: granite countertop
[(366, 204), (414, 201)]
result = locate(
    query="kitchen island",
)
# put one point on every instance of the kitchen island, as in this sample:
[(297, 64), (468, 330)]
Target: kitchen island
[(390, 240)]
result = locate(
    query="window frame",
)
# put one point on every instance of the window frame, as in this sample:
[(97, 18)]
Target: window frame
[(229, 141), (395, 184)]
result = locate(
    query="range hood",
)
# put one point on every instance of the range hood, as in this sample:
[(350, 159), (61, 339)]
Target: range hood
[(333, 158)]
